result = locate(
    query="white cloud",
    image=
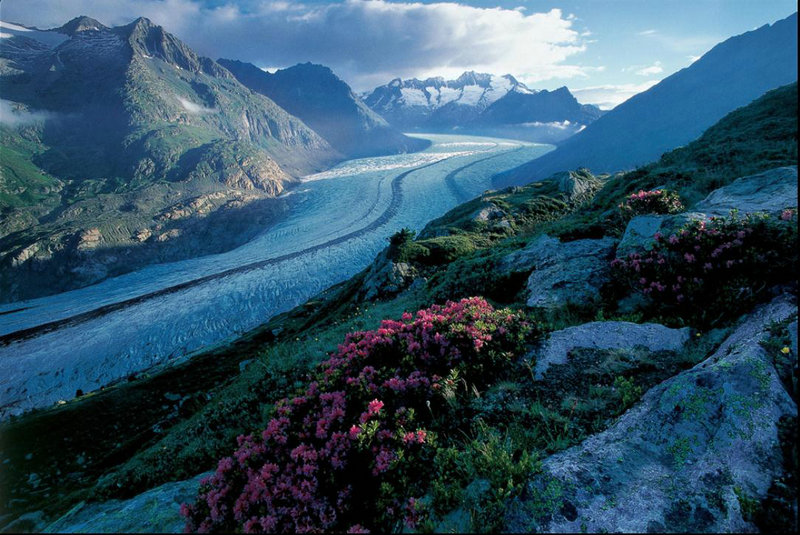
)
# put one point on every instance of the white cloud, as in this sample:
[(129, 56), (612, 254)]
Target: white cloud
[(647, 32), (651, 70), (644, 70), (15, 114), (365, 42), (193, 108), (609, 96)]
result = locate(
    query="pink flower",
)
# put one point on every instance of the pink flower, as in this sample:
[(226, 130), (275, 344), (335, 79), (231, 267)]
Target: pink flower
[(375, 406)]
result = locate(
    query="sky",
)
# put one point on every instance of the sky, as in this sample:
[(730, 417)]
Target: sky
[(604, 51)]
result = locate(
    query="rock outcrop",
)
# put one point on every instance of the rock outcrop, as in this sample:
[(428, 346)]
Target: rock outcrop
[(693, 455), (154, 511), (607, 335), (385, 278), (563, 272), (769, 192)]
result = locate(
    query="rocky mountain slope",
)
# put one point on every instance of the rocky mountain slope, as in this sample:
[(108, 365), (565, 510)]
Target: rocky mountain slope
[(123, 147), (481, 103), (679, 108), (547, 436), (327, 104)]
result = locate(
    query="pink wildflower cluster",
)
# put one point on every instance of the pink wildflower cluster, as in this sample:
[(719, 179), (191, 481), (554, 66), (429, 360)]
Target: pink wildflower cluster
[(328, 456), (708, 267), (658, 201)]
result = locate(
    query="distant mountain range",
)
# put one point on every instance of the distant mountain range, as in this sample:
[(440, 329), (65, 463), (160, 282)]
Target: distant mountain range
[(481, 103), (328, 105), (679, 108)]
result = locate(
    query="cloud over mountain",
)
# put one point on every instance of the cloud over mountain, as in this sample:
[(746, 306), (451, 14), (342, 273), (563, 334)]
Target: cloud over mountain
[(390, 38)]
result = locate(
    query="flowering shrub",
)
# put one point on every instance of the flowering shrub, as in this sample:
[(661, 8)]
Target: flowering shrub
[(349, 453), (658, 201), (708, 270)]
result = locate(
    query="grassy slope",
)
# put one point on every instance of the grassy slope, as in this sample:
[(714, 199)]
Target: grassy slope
[(176, 423)]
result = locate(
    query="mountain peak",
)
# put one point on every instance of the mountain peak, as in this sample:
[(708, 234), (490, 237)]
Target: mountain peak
[(474, 78), (81, 24)]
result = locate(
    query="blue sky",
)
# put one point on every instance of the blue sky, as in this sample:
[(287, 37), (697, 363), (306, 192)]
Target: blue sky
[(603, 50)]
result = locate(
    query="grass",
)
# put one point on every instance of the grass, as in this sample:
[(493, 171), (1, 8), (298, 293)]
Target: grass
[(133, 436)]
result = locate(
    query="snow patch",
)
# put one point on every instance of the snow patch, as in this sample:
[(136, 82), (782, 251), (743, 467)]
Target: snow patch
[(413, 97), (448, 94), (471, 95), (48, 38)]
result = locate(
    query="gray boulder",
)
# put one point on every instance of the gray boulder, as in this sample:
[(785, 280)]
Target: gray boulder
[(693, 454), (154, 511), (771, 192), (562, 272), (607, 335), (386, 278)]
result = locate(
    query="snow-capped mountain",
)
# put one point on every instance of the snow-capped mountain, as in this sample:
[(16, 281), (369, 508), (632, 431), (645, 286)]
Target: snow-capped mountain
[(482, 104), (439, 102)]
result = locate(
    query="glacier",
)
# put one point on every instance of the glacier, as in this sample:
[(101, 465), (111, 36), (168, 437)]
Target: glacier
[(159, 315)]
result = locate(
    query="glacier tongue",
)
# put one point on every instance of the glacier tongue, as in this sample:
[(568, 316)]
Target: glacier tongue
[(336, 227)]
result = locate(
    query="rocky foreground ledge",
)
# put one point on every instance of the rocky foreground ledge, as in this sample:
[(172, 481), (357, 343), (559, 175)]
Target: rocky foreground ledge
[(688, 457)]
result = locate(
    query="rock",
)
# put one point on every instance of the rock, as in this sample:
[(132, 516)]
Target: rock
[(579, 185), (386, 278), (572, 271), (89, 239), (793, 336), (487, 213), (25, 254), (142, 235), (686, 458), (169, 235), (154, 511), (607, 335), (771, 191), (28, 523)]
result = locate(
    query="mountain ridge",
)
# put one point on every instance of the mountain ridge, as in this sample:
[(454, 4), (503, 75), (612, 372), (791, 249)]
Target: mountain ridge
[(481, 103), (115, 132), (327, 104), (677, 109)]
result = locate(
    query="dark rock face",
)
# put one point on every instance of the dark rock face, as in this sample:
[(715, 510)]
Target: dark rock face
[(328, 105), (679, 108), (686, 458)]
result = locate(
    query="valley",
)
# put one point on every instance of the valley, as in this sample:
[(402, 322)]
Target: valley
[(338, 221), (269, 294)]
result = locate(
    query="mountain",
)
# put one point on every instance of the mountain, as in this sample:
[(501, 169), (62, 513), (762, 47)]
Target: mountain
[(439, 102), (583, 364), (481, 103), (540, 106), (327, 104), (679, 108), (122, 146)]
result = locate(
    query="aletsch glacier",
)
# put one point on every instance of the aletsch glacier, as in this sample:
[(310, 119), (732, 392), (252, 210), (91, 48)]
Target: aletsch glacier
[(339, 220)]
